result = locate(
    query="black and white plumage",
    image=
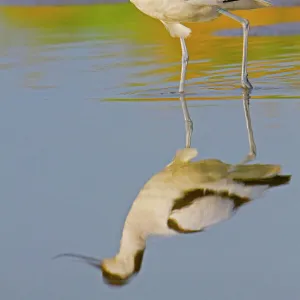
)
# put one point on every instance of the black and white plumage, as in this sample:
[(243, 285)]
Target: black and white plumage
[(184, 197)]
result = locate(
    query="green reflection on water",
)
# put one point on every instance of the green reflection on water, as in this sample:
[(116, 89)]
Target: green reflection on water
[(215, 60)]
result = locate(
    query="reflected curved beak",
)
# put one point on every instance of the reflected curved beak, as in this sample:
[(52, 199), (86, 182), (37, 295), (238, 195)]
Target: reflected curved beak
[(94, 262)]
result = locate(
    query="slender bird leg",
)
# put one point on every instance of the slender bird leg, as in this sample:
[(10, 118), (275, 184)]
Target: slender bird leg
[(187, 121), (252, 147), (184, 63), (246, 103), (245, 23)]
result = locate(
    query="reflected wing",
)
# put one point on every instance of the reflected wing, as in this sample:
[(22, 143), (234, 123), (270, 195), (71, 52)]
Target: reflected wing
[(201, 208), (202, 213), (270, 182)]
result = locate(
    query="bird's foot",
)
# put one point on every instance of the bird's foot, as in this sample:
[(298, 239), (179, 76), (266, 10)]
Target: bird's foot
[(250, 157), (246, 83)]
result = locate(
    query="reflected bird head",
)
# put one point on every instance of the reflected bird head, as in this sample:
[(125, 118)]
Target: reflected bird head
[(116, 271)]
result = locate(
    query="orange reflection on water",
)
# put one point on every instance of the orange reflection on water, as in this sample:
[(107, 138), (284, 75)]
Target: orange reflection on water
[(214, 59)]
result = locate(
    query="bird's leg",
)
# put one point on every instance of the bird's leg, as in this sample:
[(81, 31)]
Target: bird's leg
[(245, 23), (252, 152), (187, 121), (184, 63), (252, 147)]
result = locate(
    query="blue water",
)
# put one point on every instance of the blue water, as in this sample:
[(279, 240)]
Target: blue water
[(72, 163)]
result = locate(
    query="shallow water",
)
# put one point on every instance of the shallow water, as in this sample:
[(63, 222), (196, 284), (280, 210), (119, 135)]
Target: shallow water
[(90, 111)]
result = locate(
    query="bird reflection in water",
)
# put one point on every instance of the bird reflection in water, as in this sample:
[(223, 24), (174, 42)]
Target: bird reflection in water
[(246, 104), (185, 197)]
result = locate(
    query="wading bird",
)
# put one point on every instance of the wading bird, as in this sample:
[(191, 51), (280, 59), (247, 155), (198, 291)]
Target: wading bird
[(184, 197), (173, 12)]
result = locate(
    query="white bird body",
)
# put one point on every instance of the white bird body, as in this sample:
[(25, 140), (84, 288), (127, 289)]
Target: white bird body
[(184, 197), (176, 10), (173, 12), (154, 204)]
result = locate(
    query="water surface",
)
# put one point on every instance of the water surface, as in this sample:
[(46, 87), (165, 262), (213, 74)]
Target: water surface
[(89, 112)]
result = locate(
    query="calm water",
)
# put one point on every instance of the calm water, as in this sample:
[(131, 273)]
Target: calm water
[(89, 112)]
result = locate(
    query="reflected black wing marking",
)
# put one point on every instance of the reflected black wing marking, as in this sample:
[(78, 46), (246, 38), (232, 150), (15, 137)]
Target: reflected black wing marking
[(190, 196), (199, 208), (271, 181)]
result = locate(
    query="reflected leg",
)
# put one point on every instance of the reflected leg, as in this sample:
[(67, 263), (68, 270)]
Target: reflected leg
[(252, 152), (187, 121), (252, 146), (245, 82), (184, 63)]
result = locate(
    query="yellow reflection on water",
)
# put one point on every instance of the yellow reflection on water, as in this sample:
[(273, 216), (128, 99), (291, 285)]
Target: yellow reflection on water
[(208, 52)]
